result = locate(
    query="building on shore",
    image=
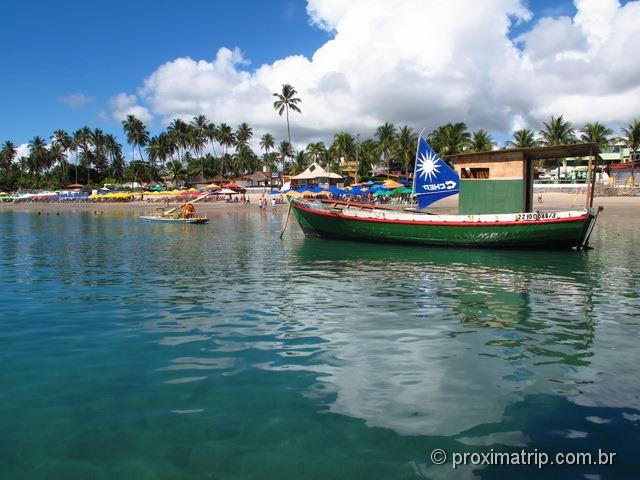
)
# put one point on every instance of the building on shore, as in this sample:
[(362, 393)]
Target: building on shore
[(501, 181), (314, 175)]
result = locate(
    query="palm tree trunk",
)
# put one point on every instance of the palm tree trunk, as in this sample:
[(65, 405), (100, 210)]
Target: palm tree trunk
[(288, 128)]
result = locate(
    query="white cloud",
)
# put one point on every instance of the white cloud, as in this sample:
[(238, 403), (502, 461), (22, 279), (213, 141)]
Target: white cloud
[(420, 63), (22, 150), (124, 104), (76, 100)]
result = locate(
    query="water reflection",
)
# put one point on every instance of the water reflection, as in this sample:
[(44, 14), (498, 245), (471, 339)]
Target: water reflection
[(465, 325)]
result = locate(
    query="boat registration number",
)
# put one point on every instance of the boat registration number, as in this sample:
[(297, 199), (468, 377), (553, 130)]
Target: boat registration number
[(535, 216)]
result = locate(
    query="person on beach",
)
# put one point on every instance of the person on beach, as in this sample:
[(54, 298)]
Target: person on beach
[(273, 204)]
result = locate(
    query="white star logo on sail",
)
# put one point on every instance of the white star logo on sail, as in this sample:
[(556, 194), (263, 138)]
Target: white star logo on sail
[(428, 163)]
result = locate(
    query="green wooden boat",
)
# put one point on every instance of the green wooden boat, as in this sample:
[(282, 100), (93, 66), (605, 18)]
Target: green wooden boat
[(495, 182), (353, 221)]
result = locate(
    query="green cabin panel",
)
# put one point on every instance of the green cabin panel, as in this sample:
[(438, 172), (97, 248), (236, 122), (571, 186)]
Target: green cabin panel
[(478, 197)]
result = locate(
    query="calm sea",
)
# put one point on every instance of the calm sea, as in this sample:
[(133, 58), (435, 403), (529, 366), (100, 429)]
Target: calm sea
[(131, 350)]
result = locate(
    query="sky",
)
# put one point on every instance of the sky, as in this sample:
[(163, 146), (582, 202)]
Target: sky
[(494, 64)]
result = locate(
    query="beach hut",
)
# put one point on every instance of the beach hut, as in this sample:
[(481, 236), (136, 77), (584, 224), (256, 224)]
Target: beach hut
[(501, 181), (198, 181), (314, 175), (257, 179)]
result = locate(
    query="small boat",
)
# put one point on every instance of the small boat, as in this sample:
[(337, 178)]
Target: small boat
[(188, 214), (353, 221), (476, 226), (165, 219)]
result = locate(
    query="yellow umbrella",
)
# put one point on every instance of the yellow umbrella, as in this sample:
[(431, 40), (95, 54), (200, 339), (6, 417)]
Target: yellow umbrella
[(211, 186), (293, 194)]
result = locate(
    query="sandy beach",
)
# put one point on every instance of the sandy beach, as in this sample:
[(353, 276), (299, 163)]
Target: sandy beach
[(613, 206)]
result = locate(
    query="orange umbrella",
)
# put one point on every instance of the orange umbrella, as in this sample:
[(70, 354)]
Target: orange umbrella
[(392, 184)]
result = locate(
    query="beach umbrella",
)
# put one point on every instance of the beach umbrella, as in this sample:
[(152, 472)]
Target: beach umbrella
[(406, 191), (391, 184), (226, 191), (293, 194), (211, 186)]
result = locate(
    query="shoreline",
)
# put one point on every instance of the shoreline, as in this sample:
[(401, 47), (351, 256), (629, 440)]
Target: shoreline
[(613, 206)]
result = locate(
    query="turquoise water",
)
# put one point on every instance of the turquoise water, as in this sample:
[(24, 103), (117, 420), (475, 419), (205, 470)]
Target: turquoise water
[(138, 350)]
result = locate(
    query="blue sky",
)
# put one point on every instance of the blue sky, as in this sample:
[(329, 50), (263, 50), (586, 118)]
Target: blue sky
[(54, 49), (51, 50)]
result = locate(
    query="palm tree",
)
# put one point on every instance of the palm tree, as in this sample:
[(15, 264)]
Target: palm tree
[(113, 151), (523, 138), (8, 155), (481, 141), (226, 139), (198, 137), (368, 154), (267, 142), (178, 132), (315, 150), (137, 134), (244, 133), (211, 132), (154, 149), (631, 139), (284, 150), (596, 133), (101, 162), (246, 159), (557, 131), (57, 156), (406, 147), (300, 161), (344, 145), (64, 142), (287, 100), (386, 135), (38, 155), (450, 139)]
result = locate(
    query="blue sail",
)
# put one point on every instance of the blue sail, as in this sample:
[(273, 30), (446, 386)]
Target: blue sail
[(433, 179)]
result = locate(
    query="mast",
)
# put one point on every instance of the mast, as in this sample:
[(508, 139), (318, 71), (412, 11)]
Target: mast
[(197, 199)]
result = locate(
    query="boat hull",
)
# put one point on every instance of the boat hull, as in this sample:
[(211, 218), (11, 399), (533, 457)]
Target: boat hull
[(551, 233), (153, 218)]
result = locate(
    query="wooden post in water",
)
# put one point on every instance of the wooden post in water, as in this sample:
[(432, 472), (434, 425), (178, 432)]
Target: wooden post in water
[(286, 221), (589, 199)]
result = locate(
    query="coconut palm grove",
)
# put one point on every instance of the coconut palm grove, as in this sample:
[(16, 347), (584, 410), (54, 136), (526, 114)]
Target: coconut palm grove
[(187, 148)]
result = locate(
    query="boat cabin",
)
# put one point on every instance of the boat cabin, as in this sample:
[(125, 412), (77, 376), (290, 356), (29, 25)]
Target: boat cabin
[(501, 181)]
